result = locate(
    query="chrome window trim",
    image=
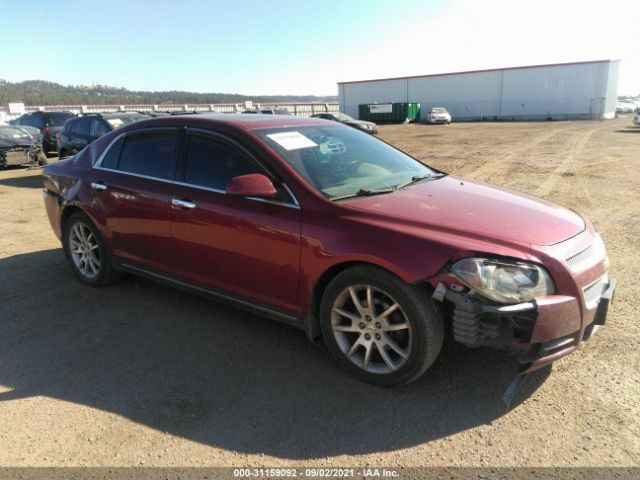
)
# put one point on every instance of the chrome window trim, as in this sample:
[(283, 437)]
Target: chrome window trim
[(98, 162), (98, 166), (261, 164), (198, 187)]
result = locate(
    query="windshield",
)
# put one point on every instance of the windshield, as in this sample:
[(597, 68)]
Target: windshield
[(439, 110), (340, 161), (343, 117), (11, 133)]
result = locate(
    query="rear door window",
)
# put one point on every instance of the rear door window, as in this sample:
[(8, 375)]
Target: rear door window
[(81, 127), (152, 154), (68, 127), (110, 160), (98, 127)]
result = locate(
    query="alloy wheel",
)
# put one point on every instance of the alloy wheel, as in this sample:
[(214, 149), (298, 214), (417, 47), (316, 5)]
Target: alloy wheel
[(371, 329), (84, 250)]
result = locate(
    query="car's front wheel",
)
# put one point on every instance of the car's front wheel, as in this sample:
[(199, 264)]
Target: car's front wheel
[(86, 251), (379, 328)]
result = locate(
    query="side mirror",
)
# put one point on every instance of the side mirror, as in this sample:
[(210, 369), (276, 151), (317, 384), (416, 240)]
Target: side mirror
[(252, 185)]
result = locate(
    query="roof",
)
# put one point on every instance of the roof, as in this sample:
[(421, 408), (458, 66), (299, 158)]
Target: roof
[(241, 121), (478, 71)]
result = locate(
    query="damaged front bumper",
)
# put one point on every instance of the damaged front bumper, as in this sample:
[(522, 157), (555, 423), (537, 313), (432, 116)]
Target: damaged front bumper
[(537, 332)]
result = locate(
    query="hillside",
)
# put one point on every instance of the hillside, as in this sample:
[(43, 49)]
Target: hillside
[(40, 92)]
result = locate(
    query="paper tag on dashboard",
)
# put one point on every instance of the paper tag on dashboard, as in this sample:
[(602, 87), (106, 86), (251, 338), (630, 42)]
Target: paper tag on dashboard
[(292, 140)]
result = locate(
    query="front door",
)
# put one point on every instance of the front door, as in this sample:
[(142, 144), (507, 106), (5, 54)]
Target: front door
[(245, 248)]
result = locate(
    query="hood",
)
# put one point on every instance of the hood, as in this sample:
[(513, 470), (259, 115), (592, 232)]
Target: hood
[(473, 208), (18, 142)]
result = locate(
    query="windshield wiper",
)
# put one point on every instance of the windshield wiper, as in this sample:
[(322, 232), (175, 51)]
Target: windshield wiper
[(365, 192), (418, 178)]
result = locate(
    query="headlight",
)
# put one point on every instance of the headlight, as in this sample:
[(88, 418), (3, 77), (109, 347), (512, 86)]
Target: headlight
[(504, 281)]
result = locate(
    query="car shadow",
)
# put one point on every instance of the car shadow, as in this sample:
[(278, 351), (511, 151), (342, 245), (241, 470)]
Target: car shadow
[(29, 181), (629, 130), (210, 373)]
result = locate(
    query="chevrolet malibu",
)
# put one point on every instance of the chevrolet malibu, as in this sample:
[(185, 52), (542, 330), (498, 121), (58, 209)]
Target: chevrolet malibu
[(329, 229)]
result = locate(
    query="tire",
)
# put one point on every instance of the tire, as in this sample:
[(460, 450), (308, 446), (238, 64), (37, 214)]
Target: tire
[(79, 233), (401, 345)]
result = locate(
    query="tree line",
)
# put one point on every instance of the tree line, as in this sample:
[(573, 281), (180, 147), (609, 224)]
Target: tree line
[(40, 92)]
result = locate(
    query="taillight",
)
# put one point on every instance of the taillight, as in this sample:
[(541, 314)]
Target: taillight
[(46, 130)]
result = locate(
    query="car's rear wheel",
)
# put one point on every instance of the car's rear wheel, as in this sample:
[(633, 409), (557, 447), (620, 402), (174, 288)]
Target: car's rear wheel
[(86, 251), (378, 328)]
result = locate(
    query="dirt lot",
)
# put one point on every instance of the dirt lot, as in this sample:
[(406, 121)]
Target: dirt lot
[(139, 374)]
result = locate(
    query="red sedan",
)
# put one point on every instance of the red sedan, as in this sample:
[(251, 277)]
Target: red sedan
[(329, 229)]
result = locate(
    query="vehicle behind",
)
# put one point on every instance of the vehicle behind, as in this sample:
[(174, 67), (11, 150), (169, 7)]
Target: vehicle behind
[(368, 127), (48, 123), (79, 132), (438, 115), (20, 145)]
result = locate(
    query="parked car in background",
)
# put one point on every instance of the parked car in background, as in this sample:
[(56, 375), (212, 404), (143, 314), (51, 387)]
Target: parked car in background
[(34, 132), (153, 113), (636, 117), (268, 111), (438, 115), (625, 107), (79, 132), (49, 124), (365, 126), (320, 226), (18, 146)]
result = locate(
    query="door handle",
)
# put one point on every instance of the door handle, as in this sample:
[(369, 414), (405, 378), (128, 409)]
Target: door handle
[(98, 186), (186, 204)]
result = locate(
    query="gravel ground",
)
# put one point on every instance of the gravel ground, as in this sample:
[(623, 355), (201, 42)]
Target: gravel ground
[(140, 374)]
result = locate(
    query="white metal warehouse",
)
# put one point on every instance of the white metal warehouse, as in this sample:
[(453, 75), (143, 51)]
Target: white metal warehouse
[(580, 90)]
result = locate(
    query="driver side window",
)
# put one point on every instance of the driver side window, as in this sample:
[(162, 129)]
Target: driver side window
[(211, 163)]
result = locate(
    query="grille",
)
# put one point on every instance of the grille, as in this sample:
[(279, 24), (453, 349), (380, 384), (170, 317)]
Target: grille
[(579, 259), (587, 257), (593, 292)]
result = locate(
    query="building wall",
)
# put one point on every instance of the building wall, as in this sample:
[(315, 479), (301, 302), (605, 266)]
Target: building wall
[(572, 91), (612, 90)]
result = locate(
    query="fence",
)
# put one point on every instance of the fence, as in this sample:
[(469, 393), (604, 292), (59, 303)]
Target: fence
[(298, 109)]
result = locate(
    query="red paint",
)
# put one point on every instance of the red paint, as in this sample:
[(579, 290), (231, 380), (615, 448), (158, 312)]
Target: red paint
[(252, 185), (274, 255)]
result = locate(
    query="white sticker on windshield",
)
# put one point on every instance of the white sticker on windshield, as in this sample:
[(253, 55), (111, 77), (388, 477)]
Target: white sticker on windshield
[(292, 140), (115, 122)]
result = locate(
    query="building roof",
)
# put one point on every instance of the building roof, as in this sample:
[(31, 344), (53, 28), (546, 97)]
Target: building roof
[(476, 71)]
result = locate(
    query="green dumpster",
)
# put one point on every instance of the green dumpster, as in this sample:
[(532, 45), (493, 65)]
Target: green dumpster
[(389, 112)]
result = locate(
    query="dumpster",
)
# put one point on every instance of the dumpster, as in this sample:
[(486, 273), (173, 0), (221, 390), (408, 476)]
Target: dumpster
[(389, 112)]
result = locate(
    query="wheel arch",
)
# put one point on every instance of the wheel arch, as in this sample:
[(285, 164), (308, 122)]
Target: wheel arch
[(67, 211)]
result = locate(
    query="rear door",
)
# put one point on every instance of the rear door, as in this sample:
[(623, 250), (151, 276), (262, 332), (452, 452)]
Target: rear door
[(245, 247), (130, 186)]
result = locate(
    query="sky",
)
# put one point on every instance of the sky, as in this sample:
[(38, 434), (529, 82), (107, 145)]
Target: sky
[(277, 47)]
